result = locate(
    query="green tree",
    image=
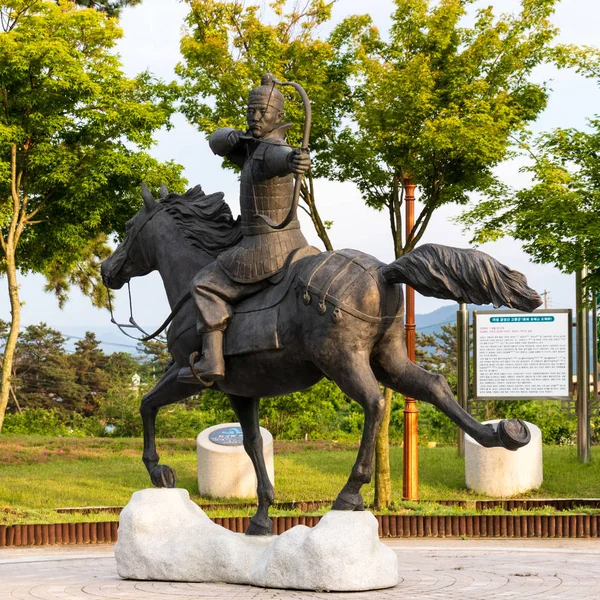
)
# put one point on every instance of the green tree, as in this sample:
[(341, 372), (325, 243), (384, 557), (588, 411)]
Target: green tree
[(228, 46), (121, 366), (44, 376), (437, 103), (556, 218), (73, 135), (154, 358), (112, 8), (424, 357), (90, 362)]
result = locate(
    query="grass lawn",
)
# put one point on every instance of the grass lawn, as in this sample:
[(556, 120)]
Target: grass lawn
[(45, 473)]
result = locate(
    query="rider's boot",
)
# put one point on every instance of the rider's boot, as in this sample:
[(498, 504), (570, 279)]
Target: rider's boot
[(211, 366)]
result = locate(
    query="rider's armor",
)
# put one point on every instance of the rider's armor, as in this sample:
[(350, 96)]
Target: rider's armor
[(266, 187)]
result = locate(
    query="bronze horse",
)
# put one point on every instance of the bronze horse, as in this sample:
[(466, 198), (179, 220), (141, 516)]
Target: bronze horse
[(331, 314)]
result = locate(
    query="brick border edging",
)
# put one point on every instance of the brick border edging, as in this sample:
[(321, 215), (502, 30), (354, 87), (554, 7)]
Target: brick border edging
[(395, 526), (58, 533), (310, 505)]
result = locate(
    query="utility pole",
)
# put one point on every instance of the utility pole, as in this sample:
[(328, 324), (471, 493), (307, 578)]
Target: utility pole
[(410, 485), (546, 294)]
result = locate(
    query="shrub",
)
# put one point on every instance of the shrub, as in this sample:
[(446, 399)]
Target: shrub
[(40, 421)]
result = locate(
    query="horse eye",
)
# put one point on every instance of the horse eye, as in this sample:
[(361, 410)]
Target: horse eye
[(128, 225)]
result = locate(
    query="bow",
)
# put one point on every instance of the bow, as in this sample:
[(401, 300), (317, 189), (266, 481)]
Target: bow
[(305, 137)]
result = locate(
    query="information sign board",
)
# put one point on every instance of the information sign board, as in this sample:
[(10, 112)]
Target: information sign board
[(520, 355)]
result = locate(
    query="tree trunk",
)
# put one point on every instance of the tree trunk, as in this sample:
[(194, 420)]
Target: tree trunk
[(383, 478), (308, 195), (9, 248), (13, 334)]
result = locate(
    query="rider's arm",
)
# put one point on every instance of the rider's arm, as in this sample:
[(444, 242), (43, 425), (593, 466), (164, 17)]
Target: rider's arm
[(226, 142), (283, 160)]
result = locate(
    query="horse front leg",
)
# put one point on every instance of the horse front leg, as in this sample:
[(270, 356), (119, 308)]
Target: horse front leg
[(246, 410), (167, 391)]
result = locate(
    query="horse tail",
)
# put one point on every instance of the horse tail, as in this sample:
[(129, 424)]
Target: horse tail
[(462, 275)]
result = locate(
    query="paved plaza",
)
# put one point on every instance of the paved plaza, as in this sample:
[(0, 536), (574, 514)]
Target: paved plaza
[(429, 569)]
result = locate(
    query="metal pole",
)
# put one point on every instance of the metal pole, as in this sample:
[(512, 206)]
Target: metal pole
[(583, 369), (410, 485), (462, 342), (596, 297)]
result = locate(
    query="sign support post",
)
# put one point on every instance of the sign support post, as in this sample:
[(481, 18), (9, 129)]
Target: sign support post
[(583, 369), (595, 344)]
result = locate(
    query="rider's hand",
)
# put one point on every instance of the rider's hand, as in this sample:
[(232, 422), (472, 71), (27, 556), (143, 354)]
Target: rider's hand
[(234, 137), (299, 160)]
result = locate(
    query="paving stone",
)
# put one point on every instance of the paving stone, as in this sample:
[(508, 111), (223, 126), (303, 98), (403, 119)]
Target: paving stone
[(442, 570)]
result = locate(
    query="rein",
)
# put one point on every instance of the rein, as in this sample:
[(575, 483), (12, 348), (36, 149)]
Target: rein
[(133, 325)]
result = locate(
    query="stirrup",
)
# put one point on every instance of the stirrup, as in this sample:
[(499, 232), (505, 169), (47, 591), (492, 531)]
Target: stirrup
[(193, 357)]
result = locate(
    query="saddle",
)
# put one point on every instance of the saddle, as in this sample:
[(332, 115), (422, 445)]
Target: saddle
[(328, 285), (253, 327)]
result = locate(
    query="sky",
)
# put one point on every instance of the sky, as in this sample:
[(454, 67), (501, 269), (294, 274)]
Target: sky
[(152, 31)]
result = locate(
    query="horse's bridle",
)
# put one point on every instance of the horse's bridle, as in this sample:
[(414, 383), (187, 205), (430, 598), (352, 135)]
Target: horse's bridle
[(132, 323)]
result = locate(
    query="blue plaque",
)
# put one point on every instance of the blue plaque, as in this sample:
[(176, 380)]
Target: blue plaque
[(227, 436)]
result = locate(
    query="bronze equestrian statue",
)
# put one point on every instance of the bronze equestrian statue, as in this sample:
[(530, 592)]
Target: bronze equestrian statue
[(285, 315), (266, 188)]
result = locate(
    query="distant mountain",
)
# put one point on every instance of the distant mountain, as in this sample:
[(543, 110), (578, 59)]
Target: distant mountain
[(433, 321), (112, 340)]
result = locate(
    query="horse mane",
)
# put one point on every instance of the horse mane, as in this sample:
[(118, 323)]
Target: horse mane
[(205, 220)]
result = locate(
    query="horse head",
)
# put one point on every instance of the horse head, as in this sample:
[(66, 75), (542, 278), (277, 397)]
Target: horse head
[(131, 257), (181, 231)]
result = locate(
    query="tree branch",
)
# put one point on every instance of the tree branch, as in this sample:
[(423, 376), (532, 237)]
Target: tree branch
[(235, 23), (15, 181)]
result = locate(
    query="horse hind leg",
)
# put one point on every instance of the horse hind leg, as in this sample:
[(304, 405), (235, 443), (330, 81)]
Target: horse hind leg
[(167, 391), (394, 370), (246, 410), (354, 376)]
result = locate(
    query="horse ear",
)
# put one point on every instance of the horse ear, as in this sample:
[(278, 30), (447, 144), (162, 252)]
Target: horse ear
[(164, 191), (149, 202)]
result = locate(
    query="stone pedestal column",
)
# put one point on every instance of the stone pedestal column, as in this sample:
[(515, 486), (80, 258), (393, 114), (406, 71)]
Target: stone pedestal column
[(224, 468)]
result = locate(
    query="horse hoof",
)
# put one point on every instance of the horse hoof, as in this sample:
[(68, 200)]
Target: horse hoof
[(163, 476), (348, 502), (265, 528), (513, 434)]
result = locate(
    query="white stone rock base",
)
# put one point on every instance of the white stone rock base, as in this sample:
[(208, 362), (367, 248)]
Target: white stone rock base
[(164, 536), (503, 473)]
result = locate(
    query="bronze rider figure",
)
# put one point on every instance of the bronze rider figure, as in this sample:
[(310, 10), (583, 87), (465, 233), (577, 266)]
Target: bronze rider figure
[(266, 188)]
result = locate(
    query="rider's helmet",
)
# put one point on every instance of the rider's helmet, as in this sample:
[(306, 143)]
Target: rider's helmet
[(267, 93)]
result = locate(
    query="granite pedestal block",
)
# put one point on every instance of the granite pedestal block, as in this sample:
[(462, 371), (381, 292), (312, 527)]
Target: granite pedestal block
[(164, 536), (503, 473), (224, 468)]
